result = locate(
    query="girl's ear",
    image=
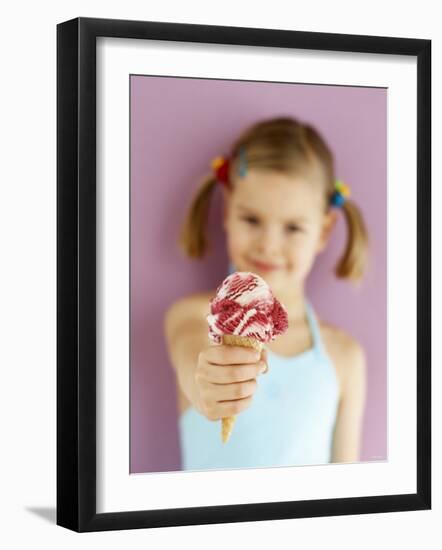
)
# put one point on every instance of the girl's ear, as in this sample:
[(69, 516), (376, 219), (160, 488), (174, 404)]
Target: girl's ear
[(329, 222)]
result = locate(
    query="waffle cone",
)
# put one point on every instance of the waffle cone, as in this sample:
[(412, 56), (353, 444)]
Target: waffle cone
[(233, 340)]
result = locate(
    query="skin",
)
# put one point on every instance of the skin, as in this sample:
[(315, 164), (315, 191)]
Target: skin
[(282, 221)]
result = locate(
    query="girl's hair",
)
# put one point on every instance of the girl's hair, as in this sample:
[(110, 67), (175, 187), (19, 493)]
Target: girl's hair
[(287, 146)]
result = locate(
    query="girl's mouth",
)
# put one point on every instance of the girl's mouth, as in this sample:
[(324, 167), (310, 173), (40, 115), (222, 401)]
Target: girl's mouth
[(264, 266)]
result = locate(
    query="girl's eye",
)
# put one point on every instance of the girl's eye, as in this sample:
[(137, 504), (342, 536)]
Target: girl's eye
[(293, 228), (254, 221), (251, 220)]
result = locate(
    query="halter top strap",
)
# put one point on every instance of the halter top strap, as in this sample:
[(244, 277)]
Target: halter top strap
[(314, 327)]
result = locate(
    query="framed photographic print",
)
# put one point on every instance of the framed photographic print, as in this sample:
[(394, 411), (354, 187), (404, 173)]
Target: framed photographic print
[(243, 274)]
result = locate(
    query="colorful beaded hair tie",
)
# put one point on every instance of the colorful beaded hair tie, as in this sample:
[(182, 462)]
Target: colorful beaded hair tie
[(220, 167), (242, 167), (340, 195)]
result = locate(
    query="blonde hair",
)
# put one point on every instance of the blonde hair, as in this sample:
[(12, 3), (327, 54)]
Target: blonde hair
[(284, 145)]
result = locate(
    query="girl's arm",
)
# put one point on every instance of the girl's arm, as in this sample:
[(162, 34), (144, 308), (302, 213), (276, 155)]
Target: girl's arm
[(186, 329), (348, 427)]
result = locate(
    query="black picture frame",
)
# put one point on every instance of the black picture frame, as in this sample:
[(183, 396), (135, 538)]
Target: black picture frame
[(76, 273)]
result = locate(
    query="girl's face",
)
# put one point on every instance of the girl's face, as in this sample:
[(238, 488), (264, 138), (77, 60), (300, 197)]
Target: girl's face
[(275, 226)]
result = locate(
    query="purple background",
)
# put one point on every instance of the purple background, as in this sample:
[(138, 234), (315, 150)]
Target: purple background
[(178, 125)]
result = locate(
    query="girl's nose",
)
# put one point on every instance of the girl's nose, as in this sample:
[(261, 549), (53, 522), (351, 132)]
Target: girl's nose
[(269, 242)]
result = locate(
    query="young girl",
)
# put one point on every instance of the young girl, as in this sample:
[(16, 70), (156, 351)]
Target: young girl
[(302, 401)]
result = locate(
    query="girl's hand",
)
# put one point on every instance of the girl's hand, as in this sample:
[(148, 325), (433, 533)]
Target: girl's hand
[(225, 379)]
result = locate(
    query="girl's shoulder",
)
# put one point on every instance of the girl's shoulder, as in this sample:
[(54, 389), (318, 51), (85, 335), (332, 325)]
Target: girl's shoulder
[(345, 351), (340, 342)]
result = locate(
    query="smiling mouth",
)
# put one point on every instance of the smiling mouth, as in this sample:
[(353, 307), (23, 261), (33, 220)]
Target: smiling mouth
[(264, 266)]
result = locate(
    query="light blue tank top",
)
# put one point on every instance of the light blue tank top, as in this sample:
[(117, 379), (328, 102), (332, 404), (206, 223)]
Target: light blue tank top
[(290, 421)]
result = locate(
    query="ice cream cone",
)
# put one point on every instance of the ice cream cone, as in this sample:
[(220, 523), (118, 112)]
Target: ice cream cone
[(244, 341), (244, 312)]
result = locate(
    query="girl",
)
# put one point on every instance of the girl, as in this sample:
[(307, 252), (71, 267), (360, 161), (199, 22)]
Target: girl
[(281, 201)]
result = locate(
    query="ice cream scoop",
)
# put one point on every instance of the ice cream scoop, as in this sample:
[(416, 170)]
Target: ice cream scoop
[(245, 306), (244, 312)]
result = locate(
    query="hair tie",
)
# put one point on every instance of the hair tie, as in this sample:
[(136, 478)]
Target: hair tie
[(242, 166), (220, 167), (340, 194)]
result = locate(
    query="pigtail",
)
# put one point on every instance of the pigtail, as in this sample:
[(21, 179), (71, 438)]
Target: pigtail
[(193, 239), (353, 263)]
